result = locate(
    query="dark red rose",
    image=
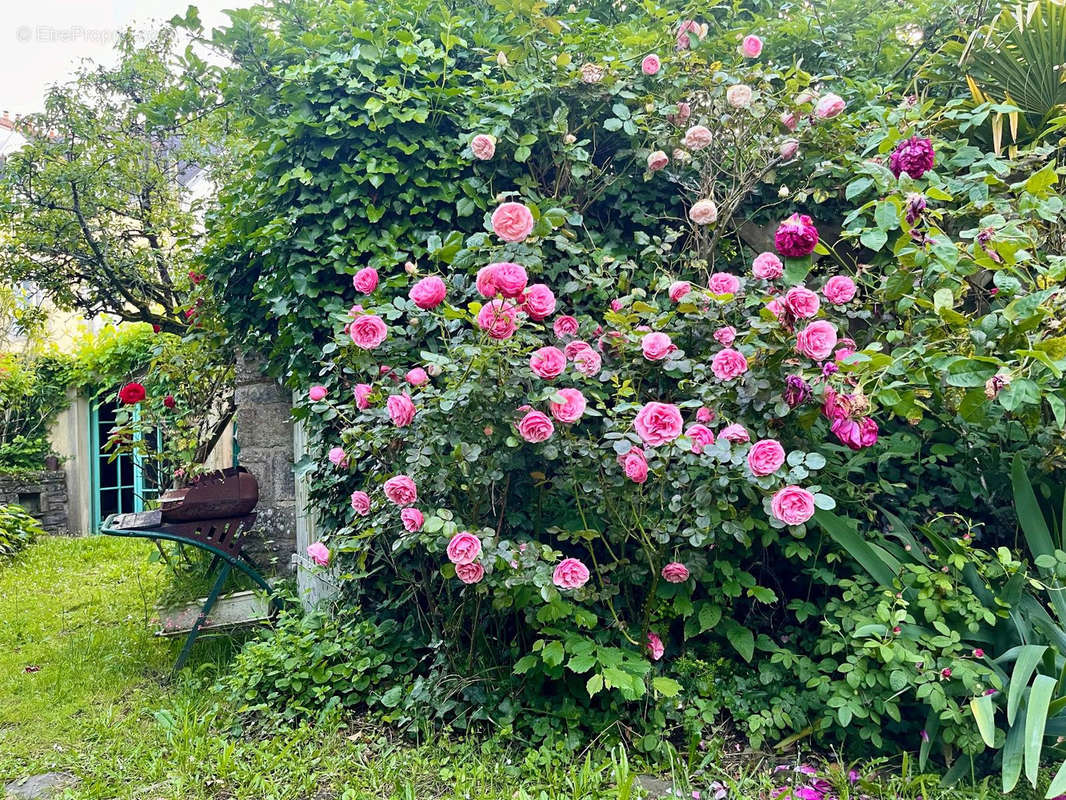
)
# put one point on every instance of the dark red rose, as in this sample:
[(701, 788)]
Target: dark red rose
[(169, 401), (131, 394)]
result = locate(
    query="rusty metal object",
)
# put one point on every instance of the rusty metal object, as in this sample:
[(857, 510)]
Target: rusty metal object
[(231, 492)]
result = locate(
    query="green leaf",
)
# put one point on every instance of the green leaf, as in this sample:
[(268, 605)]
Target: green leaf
[(582, 663), (709, 616), (594, 684), (1028, 658), (553, 654), (985, 714), (1058, 783), (874, 239), (943, 298), (667, 687), (886, 215), (1012, 754), (857, 187), (876, 563), (521, 154), (742, 639), (613, 124), (1035, 720)]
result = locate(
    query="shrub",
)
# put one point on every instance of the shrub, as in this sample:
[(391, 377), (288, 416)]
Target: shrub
[(17, 529), (33, 391)]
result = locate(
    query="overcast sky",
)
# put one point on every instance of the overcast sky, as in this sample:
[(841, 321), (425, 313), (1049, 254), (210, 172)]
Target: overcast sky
[(42, 40)]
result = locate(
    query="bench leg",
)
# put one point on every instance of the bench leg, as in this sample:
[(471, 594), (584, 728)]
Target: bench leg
[(212, 598)]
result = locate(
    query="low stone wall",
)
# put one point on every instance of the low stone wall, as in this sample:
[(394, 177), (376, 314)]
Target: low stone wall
[(43, 494)]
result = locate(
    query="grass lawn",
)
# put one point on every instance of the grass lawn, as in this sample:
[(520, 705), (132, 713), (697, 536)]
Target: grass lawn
[(86, 688)]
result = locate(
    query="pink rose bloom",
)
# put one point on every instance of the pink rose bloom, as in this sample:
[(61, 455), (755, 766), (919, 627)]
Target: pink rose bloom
[(635, 465), (570, 574), (802, 302), (416, 376), (704, 414), (338, 457), (678, 289), (656, 346), (499, 318), (846, 348), (658, 423), (483, 146), (697, 137), (675, 572), (796, 237), (535, 427), (464, 548), (510, 279), (361, 503), (751, 46), (319, 553), (565, 326), (655, 646), (766, 457), (365, 280), (725, 336), (724, 283), (547, 362), (839, 290), (512, 222), (829, 106), (401, 409), (362, 395), (789, 120), (701, 437), (650, 65), (574, 347), (738, 95), (789, 148), (734, 433), (856, 434), (572, 407), (817, 340), (684, 111), (776, 307), (728, 364), (368, 331), (428, 292), (792, 505), (657, 160), (588, 362), (687, 27), (469, 573), (317, 393), (412, 519), (484, 282), (703, 212), (401, 490), (767, 266), (539, 302)]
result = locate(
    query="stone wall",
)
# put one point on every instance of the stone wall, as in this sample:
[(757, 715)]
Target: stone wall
[(43, 494)]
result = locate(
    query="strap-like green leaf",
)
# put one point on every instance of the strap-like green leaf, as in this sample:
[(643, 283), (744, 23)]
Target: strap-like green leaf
[(1035, 717), (1058, 783), (1012, 754), (1028, 658), (985, 714), (874, 562)]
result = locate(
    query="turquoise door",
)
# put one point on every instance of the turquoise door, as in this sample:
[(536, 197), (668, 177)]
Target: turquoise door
[(119, 484)]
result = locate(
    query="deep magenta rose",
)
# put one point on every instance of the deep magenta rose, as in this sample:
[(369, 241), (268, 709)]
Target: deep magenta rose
[(796, 237), (915, 156)]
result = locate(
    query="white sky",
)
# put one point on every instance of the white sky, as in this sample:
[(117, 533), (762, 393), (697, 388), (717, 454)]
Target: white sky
[(42, 40)]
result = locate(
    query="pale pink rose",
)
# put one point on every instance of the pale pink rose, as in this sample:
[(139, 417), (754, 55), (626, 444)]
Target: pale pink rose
[(675, 572), (701, 436), (802, 302), (751, 46), (547, 362), (401, 490), (792, 505), (635, 465), (484, 282), (318, 553), (338, 457), (704, 414), (703, 212), (656, 346), (498, 318), (789, 148), (428, 292), (829, 106), (738, 95), (464, 548), (803, 98), (535, 427), (361, 503), (572, 407), (365, 280), (697, 137), (483, 146), (510, 279), (723, 283), (617, 304), (362, 395), (766, 457), (650, 65), (657, 160), (734, 433), (655, 646), (728, 364), (539, 302), (469, 573), (412, 519), (588, 362), (401, 409), (574, 347), (839, 290), (570, 574), (678, 289), (817, 340), (680, 117), (565, 326), (317, 393), (416, 376), (368, 331), (725, 336), (767, 266), (512, 222), (776, 307), (658, 423), (789, 119), (686, 29)]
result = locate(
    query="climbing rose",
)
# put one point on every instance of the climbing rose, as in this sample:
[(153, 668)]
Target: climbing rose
[(776, 307), (655, 646), (675, 572), (368, 331), (697, 137), (574, 347), (723, 283), (469, 573), (797, 391), (132, 393), (686, 27), (483, 146), (856, 434), (656, 346), (678, 289), (725, 336), (317, 393), (766, 457), (704, 414), (539, 302), (512, 222), (796, 237), (829, 106), (701, 436), (728, 364), (684, 111), (751, 46), (650, 65), (499, 318), (547, 362), (839, 289), (362, 394), (817, 340), (572, 407), (658, 423), (914, 156), (338, 457), (617, 304), (486, 286), (767, 266), (565, 326), (703, 212), (802, 302), (416, 376), (738, 95), (588, 362), (570, 574), (535, 427), (792, 505), (789, 119), (428, 292), (401, 490), (635, 465), (510, 279), (734, 433), (412, 519), (401, 409), (365, 280), (319, 553), (788, 149), (361, 503), (657, 160), (169, 401)]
